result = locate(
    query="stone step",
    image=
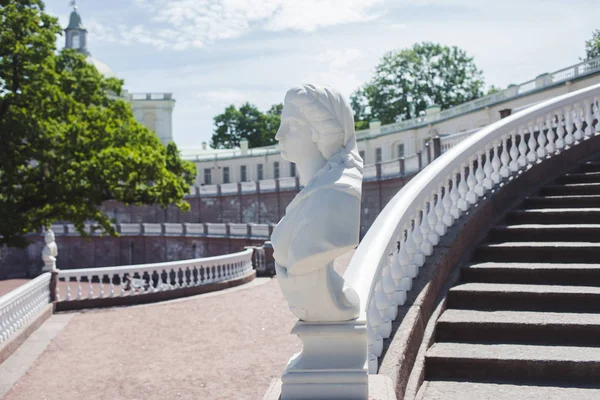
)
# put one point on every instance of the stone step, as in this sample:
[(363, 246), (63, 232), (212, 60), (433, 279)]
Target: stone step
[(545, 233), (533, 273), (539, 252), (589, 166), (579, 177), (578, 201), (524, 297), (459, 390), (513, 362), (525, 327), (574, 188), (553, 216)]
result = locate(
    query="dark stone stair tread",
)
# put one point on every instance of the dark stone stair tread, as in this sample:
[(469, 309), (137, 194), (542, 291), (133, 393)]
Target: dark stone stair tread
[(455, 390), (533, 266), (557, 210), (514, 288), (570, 185), (545, 226), (520, 318), (565, 197), (514, 352), (577, 174)]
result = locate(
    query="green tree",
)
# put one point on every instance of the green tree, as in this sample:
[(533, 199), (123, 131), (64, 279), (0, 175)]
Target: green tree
[(409, 80), (68, 140), (247, 122), (592, 46)]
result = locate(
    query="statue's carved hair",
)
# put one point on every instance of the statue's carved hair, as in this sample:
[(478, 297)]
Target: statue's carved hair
[(328, 113)]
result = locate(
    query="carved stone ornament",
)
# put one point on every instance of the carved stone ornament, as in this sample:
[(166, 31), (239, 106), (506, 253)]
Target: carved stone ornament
[(320, 224)]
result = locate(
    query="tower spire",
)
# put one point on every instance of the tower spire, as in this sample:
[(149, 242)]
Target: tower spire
[(75, 33), (73, 4)]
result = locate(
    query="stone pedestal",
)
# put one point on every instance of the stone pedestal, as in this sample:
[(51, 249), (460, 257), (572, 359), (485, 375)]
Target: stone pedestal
[(332, 364)]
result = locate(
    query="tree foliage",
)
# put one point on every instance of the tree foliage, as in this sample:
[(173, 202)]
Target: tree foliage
[(409, 80), (592, 46), (247, 122), (68, 142)]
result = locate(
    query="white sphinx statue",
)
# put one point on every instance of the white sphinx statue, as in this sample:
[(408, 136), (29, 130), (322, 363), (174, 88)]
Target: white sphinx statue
[(50, 252), (320, 224), (323, 221)]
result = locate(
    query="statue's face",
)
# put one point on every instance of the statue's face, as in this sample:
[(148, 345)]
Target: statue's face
[(294, 135), (49, 237)]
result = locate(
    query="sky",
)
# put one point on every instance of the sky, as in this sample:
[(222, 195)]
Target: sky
[(213, 53)]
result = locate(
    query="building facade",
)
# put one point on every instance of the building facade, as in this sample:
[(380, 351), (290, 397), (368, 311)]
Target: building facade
[(153, 110), (381, 144)]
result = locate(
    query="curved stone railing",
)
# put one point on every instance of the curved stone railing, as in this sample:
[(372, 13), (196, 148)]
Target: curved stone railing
[(134, 280), (22, 304), (408, 229)]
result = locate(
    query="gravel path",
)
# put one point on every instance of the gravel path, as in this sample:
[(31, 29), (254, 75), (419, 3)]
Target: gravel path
[(11, 284), (225, 346)]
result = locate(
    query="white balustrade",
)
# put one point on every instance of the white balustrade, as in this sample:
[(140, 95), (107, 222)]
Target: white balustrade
[(131, 229), (229, 188), (409, 227), (267, 185), (370, 172), (132, 280), (259, 231), (208, 190), (153, 229), (411, 164), (193, 229), (173, 229), (287, 183), (22, 304), (248, 187), (213, 229), (238, 230), (390, 168)]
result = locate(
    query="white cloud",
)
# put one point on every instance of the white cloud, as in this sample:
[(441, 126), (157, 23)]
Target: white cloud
[(183, 24)]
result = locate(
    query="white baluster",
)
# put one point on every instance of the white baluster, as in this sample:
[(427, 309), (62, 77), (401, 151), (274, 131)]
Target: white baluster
[(463, 189), (504, 161), (560, 131), (68, 282), (522, 148), (374, 340), (122, 284), (401, 278), (440, 211), (569, 138), (414, 242), (434, 238), (112, 286), (448, 217), (488, 166), (389, 288), (587, 104), (100, 278), (381, 304), (472, 182), (514, 152), (78, 280), (479, 176), (455, 196), (426, 246), (596, 104), (90, 287), (541, 151), (550, 147), (532, 143), (578, 121)]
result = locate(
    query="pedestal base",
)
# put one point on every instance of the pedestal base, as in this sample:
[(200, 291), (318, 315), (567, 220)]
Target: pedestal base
[(333, 363)]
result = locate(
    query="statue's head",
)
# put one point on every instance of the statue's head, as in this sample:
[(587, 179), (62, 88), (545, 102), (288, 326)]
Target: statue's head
[(315, 119), (49, 236)]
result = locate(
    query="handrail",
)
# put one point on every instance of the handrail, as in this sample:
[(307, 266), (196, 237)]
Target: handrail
[(155, 277), (23, 303), (409, 227)]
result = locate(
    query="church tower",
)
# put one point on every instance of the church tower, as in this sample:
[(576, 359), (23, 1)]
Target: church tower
[(75, 33)]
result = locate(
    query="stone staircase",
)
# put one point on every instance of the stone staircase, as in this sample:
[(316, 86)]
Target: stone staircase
[(524, 321)]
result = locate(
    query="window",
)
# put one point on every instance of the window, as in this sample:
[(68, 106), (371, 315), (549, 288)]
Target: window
[(276, 170), (362, 155), (76, 40), (259, 172), (292, 169), (243, 176), (207, 176), (378, 155), (225, 174), (400, 150)]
